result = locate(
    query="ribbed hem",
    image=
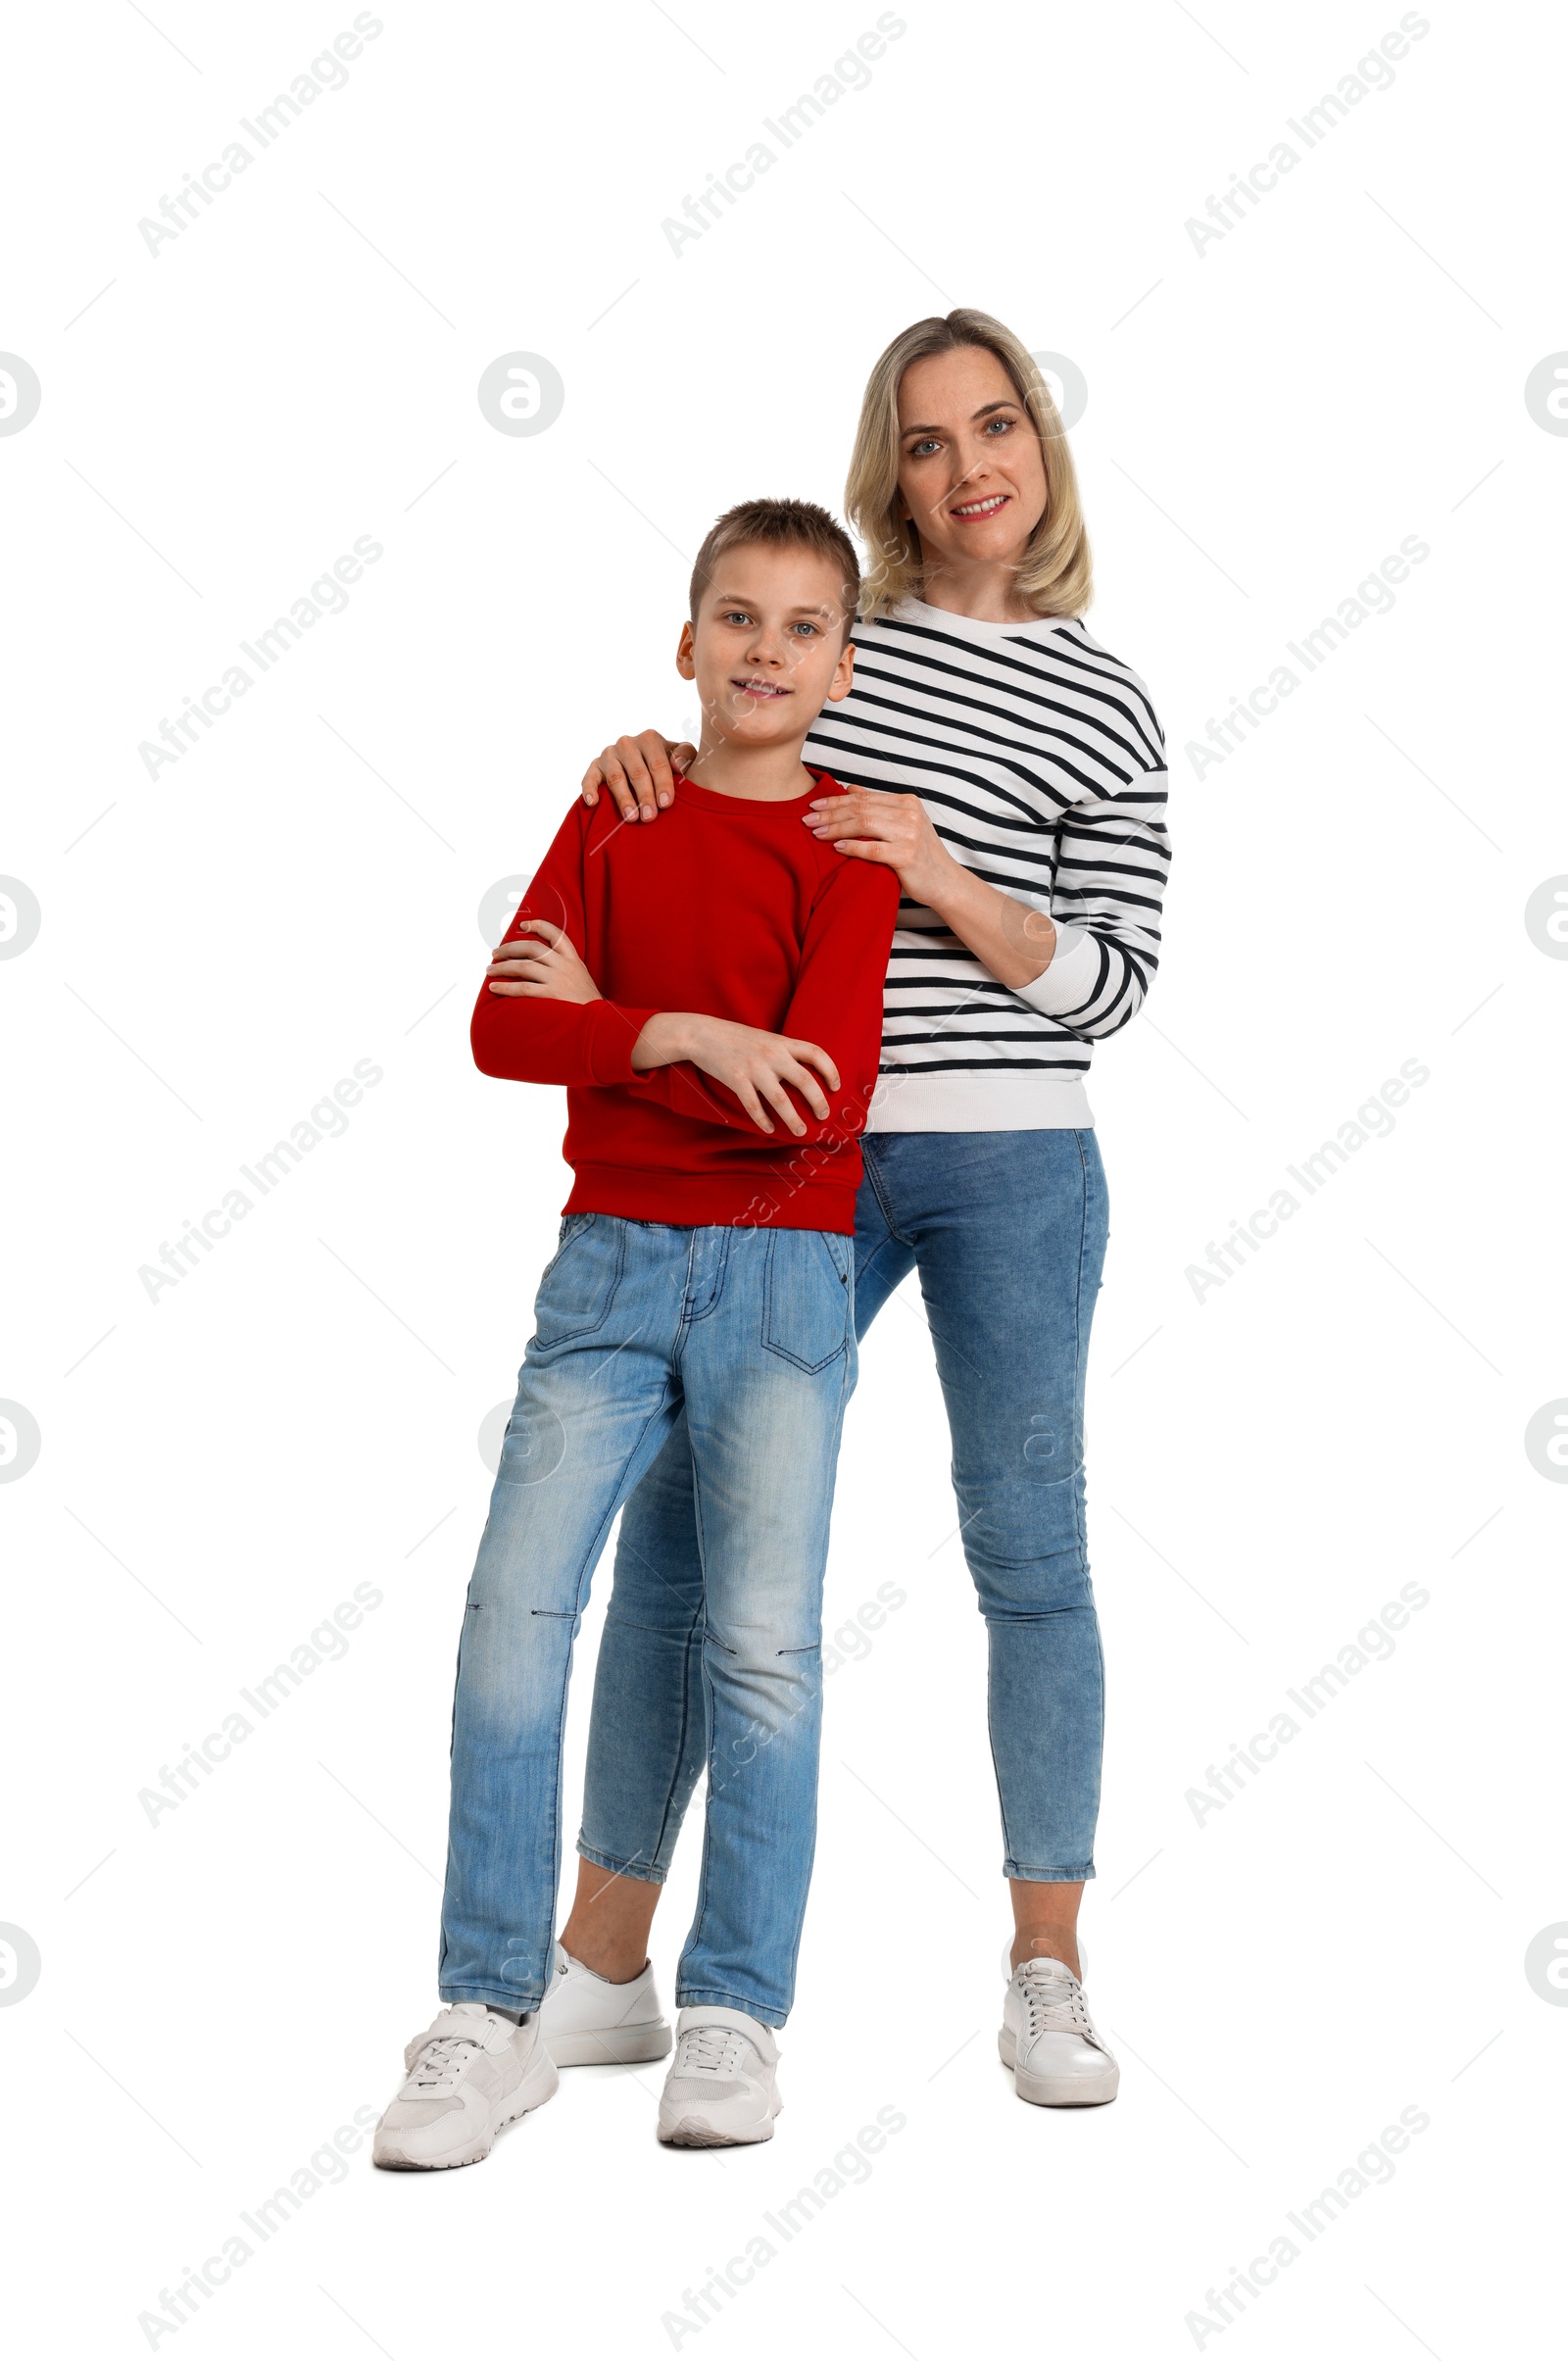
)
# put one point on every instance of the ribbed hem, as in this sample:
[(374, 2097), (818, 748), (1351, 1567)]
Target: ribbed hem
[(612, 1033), (753, 1201), (1011, 1100), (971, 628), (1071, 979)]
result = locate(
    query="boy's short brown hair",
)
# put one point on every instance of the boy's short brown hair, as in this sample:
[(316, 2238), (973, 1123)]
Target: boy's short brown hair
[(780, 525)]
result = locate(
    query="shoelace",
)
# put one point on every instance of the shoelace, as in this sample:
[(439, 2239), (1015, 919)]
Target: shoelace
[(1054, 1998), (441, 2062), (710, 2049)]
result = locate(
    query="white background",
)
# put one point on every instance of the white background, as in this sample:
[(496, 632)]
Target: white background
[(1267, 419)]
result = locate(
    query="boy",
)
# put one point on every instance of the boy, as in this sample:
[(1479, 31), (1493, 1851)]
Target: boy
[(711, 994)]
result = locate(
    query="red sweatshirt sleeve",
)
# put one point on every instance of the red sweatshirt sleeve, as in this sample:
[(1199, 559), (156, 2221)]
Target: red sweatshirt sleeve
[(530, 1040), (837, 1002)]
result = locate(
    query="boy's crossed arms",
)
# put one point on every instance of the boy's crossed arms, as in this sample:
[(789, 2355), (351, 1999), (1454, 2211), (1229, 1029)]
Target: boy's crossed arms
[(543, 963)]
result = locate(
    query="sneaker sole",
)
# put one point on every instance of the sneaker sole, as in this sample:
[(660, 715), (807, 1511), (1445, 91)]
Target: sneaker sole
[(616, 2045), (693, 2133), (538, 2086), (1041, 2090)]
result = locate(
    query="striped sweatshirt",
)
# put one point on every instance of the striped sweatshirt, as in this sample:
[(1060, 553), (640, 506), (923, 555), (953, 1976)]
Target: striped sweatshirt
[(1043, 767)]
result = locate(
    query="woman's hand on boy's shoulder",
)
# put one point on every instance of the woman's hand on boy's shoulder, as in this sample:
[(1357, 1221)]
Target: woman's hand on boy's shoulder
[(638, 773), (871, 824)]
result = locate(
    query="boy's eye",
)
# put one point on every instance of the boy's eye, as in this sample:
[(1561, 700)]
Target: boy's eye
[(736, 615), (810, 629)]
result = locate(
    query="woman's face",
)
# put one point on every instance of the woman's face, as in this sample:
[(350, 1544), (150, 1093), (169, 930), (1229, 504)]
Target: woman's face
[(971, 472)]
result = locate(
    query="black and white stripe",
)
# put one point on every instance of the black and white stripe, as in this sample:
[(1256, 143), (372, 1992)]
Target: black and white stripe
[(1043, 766)]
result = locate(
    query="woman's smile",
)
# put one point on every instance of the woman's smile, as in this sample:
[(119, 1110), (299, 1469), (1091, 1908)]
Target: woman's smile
[(974, 510)]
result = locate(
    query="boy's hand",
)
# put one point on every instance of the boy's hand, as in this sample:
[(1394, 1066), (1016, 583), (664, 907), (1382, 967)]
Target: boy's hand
[(541, 965), (638, 773), (754, 1065)]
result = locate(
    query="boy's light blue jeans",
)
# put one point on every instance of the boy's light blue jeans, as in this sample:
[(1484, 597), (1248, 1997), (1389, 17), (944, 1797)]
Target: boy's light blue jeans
[(746, 1338), (1007, 1230)]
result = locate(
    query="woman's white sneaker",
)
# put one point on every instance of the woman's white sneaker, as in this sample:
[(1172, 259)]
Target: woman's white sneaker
[(470, 2074), (588, 2021), (720, 2091), (1048, 2039)]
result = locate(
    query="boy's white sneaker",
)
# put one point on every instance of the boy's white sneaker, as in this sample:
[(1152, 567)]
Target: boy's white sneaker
[(1048, 2039), (588, 2021), (720, 2091), (470, 2074)]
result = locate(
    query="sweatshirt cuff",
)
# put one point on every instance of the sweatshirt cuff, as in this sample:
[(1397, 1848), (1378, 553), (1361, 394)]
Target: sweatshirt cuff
[(614, 1035), (1070, 980)]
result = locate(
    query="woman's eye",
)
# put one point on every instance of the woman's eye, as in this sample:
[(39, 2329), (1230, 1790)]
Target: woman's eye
[(924, 448), (1001, 426)]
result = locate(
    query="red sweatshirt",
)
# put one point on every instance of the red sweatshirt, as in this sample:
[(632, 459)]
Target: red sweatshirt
[(724, 908)]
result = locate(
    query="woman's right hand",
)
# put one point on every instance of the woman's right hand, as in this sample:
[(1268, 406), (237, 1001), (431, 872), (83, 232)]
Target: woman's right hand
[(637, 772)]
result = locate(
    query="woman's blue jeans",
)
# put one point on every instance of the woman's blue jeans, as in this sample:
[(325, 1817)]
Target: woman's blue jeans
[(1007, 1230)]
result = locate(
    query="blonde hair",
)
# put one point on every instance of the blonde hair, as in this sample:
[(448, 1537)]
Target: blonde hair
[(1057, 574)]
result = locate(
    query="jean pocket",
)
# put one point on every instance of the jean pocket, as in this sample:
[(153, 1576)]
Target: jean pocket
[(809, 1297), (578, 1289)]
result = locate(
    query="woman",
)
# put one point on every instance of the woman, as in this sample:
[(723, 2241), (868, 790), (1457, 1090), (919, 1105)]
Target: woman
[(1012, 774)]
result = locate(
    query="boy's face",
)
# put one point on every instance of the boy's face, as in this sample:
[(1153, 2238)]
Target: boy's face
[(768, 649)]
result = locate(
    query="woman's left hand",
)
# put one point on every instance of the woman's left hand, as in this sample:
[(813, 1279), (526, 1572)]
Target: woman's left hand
[(895, 829), (1013, 942)]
